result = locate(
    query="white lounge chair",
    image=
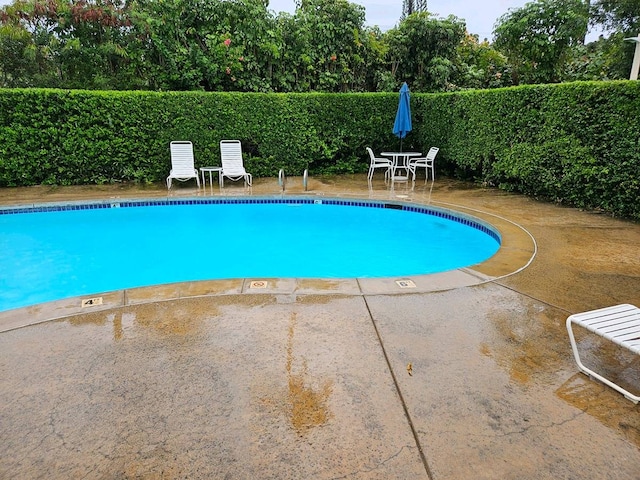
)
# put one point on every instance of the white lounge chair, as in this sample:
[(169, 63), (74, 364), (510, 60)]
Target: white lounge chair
[(182, 163), (620, 324), (378, 162), (232, 164), (427, 162)]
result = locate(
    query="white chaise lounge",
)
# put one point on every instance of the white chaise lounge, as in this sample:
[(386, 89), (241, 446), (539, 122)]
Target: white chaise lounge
[(182, 163), (232, 163), (620, 324)]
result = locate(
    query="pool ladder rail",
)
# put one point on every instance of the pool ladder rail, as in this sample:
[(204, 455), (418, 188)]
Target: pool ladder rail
[(282, 179)]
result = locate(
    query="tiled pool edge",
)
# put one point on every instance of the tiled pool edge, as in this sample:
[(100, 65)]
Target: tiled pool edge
[(132, 203)]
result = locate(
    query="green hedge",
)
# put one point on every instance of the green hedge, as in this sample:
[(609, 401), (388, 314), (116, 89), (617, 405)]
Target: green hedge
[(81, 137), (576, 143)]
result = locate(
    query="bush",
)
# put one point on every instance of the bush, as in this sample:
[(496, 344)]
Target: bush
[(80, 137), (576, 143)]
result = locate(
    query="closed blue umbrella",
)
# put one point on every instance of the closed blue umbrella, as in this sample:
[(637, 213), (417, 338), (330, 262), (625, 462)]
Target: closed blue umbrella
[(402, 125)]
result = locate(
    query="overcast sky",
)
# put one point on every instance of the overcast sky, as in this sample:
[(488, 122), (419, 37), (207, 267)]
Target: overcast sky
[(480, 15)]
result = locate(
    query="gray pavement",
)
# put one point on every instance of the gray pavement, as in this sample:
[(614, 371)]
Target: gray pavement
[(469, 375)]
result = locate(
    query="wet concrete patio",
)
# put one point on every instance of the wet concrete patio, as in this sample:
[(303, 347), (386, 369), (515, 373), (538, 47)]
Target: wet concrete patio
[(335, 379)]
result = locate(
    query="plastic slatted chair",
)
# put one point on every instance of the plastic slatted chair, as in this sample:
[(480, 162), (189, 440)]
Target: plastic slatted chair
[(619, 324), (182, 163), (427, 162), (378, 162), (232, 164)]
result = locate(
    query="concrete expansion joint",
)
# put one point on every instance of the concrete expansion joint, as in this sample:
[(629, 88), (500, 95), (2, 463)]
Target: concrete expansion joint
[(396, 384)]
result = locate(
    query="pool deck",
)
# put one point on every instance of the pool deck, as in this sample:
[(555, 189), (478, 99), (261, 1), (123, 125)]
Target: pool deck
[(469, 374)]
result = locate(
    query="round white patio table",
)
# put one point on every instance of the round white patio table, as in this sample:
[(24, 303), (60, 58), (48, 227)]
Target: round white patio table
[(400, 162)]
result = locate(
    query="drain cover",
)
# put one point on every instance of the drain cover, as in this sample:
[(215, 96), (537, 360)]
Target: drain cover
[(406, 284), (258, 284)]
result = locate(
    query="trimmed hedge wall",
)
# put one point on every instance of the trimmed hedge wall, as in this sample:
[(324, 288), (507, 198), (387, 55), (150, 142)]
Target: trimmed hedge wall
[(81, 137), (575, 143)]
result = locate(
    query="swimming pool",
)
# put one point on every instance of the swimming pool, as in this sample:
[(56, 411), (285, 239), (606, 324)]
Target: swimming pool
[(51, 252)]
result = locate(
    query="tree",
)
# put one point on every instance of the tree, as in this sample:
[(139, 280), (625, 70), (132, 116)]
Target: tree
[(28, 39), (422, 51), (86, 44), (479, 65), (413, 6), (617, 15), (604, 59), (97, 45), (622, 19), (537, 38), (327, 47), (16, 67), (207, 44)]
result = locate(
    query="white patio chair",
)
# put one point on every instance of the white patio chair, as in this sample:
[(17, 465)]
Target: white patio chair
[(182, 163), (378, 162), (427, 162), (232, 164)]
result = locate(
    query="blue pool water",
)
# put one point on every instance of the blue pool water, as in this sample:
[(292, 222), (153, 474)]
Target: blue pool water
[(58, 254)]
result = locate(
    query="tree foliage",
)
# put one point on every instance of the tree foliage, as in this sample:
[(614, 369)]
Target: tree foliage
[(617, 15), (479, 65), (621, 18), (604, 59), (327, 48), (241, 45), (537, 38), (189, 45), (209, 45), (75, 45), (423, 50), (413, 6)]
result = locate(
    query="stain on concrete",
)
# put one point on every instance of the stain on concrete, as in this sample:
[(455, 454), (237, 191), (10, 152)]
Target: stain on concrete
[(602, 403), (525, 341), (308, 403), (181, 322), (118, 331), (93, 318), (319, 284), (317, 299)]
